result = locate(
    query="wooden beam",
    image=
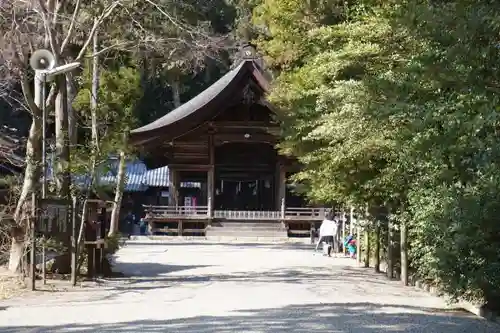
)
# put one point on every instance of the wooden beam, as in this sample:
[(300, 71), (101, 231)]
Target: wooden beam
[(189, 167), (240, 137), (243, 125)]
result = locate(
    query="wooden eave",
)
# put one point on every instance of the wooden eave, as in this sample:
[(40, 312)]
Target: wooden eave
[(203, 107)]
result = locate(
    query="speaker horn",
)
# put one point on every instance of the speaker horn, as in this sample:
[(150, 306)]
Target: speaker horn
[(42, 60)]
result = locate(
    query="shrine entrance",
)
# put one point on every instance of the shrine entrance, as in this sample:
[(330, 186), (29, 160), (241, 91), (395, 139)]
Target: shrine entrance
[(245, 177)]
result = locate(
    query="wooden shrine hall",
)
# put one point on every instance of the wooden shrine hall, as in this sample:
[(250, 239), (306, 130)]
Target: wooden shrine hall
[(224, 139)]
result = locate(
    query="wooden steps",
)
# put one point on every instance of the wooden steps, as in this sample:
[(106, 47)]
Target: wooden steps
[(246, 230)]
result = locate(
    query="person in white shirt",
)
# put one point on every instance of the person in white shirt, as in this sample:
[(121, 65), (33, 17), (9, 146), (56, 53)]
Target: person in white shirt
[(327, 232)]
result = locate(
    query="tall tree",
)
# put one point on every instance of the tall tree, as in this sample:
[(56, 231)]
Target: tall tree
[(67, 29), (388, 104)]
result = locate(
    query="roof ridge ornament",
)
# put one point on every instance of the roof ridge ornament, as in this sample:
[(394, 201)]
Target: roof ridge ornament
[(248, 52)]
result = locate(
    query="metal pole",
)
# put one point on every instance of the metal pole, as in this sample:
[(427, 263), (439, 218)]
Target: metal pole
[(44, 168), (34, 198), (33, 242), (74, 242), (44, 138)]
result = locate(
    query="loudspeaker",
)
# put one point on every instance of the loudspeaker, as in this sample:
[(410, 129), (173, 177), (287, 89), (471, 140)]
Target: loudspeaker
[(42, 60)]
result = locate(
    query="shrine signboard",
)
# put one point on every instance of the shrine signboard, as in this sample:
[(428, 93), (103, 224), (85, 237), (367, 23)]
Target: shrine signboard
[(55, 218)]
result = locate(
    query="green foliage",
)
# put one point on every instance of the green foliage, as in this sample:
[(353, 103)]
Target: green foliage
[(389, 103), (119, 93), (114, 243)]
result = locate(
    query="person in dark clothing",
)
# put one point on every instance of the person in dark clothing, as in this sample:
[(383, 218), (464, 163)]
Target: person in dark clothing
[(129, 223)]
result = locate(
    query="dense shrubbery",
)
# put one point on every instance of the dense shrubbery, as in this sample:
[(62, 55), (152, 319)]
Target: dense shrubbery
[(396, 104)]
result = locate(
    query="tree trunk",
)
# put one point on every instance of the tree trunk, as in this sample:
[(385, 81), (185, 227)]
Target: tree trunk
[(358, 245), (62, 142), (366, 245), (390, 249), (376, 255), (72, 122), (404, 253), (16, 249), (120, 184), (31, 177)]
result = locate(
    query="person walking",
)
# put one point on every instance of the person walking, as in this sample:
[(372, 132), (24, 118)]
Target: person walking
[(327, 233)]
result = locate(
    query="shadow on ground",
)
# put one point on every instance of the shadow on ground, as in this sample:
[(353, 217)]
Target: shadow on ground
[(152, 269), (234, 245), (312, 318), (157, 276)]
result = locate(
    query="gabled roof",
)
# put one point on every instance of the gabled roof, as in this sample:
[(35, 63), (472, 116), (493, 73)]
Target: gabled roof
[(210, 99)]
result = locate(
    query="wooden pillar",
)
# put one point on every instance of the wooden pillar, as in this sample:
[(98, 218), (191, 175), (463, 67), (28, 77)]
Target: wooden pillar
[(281, 187), (376, 249), (366, 246), (358, 245), (390, 249), (210, 191), (351, 220), (344, 217), (211, 177), (173, 188), (91, 236), (404, 254), (179, 228), (312, 233)]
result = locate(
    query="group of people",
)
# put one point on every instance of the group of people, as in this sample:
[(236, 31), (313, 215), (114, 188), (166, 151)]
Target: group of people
[(131, 222), (330, 240)]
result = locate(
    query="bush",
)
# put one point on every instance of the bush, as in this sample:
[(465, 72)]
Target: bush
[(456, 239)]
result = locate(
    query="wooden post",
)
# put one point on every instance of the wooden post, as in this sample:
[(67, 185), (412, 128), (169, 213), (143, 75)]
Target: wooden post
[(210, 212), (211, 177), (344, 250), (33, 249), (210, 192), (390, 252), (404, 254), (179, 228), (282, 209), (312, 233), (74, 241), (91, 235), (281, 189), (358, 245), (376, 258), (351, 220), (366, 246), (173, 188)]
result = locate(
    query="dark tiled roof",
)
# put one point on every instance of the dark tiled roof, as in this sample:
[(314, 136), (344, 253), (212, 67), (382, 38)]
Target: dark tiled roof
[(205, 97)]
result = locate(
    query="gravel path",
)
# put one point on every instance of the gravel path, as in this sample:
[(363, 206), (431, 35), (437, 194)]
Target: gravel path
[(219, 288)]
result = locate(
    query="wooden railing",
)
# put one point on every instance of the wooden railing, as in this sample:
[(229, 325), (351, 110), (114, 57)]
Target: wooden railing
[(247, 215), (293, 213), (176, 211), (202, 212)]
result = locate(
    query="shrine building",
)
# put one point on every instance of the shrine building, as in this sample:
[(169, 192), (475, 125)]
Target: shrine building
[(224, 140)]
